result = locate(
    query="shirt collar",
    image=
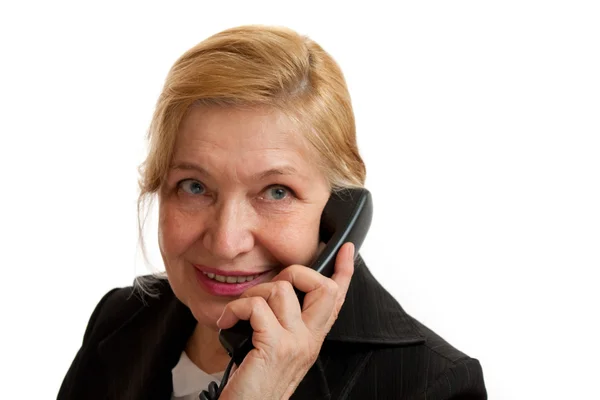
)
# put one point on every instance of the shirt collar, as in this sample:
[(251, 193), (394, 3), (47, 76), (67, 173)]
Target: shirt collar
[(189, 379)]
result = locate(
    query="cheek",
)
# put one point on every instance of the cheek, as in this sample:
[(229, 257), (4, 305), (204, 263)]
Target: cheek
[(174, 234), (294, 241)]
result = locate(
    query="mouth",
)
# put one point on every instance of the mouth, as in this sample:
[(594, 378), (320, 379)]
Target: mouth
[(229, 283), (230, 279)]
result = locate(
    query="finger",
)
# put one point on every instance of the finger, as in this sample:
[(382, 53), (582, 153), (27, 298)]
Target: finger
[(321, 292), (320, 298), (282, 300), (344, 269), (253, 309), (320, 305), (307, 279), (303, 278)]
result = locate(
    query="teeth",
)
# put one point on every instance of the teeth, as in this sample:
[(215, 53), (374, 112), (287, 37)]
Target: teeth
[(242, 279), (230, 279)]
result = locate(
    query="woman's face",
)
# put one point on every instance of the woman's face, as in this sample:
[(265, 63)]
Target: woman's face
[(242, 200)]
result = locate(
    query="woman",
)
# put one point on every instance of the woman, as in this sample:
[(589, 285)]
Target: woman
[(252, 133)]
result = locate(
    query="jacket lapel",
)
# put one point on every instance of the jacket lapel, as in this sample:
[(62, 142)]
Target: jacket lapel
[(314, 385), (370, 315)]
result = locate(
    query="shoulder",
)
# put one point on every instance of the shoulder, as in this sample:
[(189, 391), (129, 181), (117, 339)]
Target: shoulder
[(121, 304), (112, 335), (433, 369), (388, 349)]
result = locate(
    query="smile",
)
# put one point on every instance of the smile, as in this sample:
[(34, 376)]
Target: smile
[(229, 279)]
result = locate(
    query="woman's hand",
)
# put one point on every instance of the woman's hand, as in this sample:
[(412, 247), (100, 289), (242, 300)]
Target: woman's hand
[(286, 339)]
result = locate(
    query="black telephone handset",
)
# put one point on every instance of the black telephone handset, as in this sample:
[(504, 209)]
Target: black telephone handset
[(345, 218)]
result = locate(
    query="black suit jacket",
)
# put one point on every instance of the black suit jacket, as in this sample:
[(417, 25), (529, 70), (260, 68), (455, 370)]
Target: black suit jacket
[(375, 350)]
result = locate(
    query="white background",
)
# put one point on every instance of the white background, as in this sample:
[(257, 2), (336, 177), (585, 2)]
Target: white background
[(479, 123)]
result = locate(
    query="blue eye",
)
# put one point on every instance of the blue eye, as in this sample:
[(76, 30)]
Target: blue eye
[(192, 186), (278, 192)]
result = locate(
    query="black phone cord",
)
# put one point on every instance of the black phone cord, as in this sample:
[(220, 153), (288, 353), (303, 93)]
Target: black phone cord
[(214, 390)]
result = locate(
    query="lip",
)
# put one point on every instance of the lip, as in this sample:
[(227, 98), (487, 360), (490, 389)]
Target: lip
[(217, 288)]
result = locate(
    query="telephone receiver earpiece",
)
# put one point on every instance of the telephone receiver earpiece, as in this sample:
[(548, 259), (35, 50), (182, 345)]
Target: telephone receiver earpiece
[(346, 218)]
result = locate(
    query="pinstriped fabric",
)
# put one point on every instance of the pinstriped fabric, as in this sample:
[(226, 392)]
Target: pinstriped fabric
[(462, 381), (417, 373)]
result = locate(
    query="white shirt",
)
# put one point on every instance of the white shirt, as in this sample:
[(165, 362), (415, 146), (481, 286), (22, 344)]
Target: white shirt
[(189, 380)]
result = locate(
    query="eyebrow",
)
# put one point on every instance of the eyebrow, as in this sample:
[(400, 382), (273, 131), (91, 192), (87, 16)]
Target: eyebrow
[(283, 170)]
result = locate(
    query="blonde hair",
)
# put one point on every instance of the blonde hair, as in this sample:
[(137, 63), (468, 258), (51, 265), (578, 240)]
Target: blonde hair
[(258, 66)]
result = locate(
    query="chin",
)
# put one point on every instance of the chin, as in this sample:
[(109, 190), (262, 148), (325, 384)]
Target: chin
[(206, 309), (207, 315)]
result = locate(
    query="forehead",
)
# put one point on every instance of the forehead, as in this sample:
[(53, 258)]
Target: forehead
[(240, 130)]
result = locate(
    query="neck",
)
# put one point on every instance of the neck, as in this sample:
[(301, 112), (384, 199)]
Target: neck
[(205, 350)]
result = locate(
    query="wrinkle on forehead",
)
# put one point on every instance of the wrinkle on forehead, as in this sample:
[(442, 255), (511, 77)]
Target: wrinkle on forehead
[(250, 130), (240, 142)]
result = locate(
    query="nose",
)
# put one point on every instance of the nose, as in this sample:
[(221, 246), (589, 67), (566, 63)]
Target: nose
[(229, 234)]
